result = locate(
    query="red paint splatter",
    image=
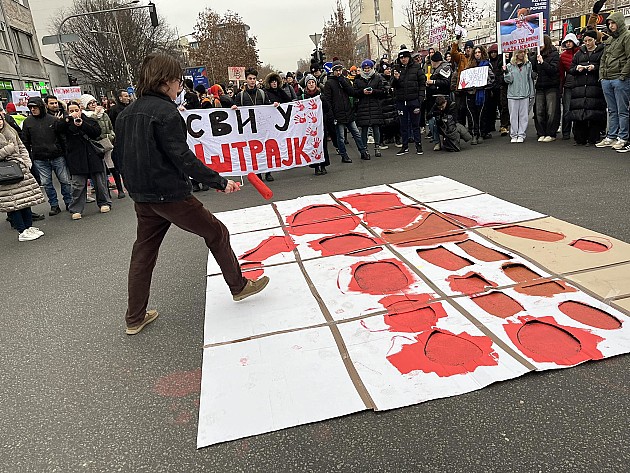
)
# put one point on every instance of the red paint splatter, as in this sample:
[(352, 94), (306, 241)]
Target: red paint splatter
[(590, 245), (444, 353), (481, 252), (393, 218), (518, 272), (380, 277), (543, 289), (587, 315), (347, 243), (252, 270), (373, 201), (544, 340), (430, 227), (411, 313), (269, 247), (469, 283), (498, 304), (179, 384), (531, 233), (443, 258), (468, 222), (316, 219)]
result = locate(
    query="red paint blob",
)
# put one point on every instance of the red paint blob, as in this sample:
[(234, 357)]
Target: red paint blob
[(393, 218), (498, 304), (430, 227), (444, 353), (411, 313), (591, 246), (380, 277), (543, 289), (354, 244), (469, 283), (373, 201), (468, 222), (531, 233), (587, 315), (518, 272), (179, 384), (316, 219), (252, 270), (269, 247), (543, 340), (443, 258), (481, 252)]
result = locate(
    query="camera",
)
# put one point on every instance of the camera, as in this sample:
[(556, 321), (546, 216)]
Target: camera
[(77, 121)]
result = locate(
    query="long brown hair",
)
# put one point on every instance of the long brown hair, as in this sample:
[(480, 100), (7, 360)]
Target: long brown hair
[(157, 69)]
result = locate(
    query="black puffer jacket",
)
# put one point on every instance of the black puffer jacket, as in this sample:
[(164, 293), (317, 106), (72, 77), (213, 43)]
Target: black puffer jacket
[(80, 156), (587, 96), (411, 85), (441, 77), (369, 107), (152, 154), (549, 71), (338, 91), (390, 113), (41, 134), (277, 94)]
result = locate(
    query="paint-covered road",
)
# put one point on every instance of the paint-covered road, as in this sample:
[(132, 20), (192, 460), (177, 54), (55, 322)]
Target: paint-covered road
[(79, 395)]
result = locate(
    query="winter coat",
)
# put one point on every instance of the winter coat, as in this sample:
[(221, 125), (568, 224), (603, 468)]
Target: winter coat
[(587, 96), (107, 130), (115, 111), (290, 91), (549, 71), (441, 76), (447, 126), (251, 97), (496, 65), (520, 84), (390, 112), (42, 135), (338, 91), (411, 85), (615, 63), (461, 60), (80, 156), (277, 95), (566, 79), (370, 107), (23, 194)]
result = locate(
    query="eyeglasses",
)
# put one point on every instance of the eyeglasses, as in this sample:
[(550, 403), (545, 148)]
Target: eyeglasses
[(92, 102)]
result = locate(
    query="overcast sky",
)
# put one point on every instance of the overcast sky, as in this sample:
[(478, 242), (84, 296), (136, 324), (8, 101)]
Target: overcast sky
[(282, 28)]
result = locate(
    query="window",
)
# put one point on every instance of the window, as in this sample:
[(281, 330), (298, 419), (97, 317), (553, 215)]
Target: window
[(23, 43), (4, 43)]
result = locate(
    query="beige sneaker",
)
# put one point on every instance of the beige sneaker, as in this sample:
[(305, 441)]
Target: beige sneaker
[(252, 287), (549, 139), (619, 144), (76, 216), (605, 142), (149, 317), (105, 209)]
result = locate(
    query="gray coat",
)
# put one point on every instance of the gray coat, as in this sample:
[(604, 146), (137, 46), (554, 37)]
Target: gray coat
[(519, 81), (25, 193)]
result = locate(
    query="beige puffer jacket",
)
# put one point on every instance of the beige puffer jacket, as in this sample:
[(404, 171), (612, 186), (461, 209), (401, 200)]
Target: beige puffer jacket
[(25, 193)]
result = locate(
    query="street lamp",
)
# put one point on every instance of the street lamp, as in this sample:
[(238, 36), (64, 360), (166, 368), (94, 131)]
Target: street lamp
[(122, 48)]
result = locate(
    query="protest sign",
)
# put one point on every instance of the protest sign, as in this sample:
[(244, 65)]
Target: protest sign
[(67, 93), (509, 10), (198, 75), (473, 77), (236, 73), (257, 139), (20, 98), (437, 34), (520, 33)]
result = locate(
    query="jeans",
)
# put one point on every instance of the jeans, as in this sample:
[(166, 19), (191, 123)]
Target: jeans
[(566, 108), (376, 132), (154, 221), (476, 117), (407, 113), (45, 168), (341, 145), (435, 132), (21, 219), (617, 94), (547, 112)]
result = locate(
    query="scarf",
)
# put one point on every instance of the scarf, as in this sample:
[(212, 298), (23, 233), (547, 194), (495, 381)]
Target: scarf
[(367, 76), (480, 96)]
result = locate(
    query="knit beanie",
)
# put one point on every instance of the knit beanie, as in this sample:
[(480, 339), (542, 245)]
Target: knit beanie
[(589, 33), (493, 47), (337, 65), (216, 90), (309, 77), (85, 99), (469, 44), (436, 57), (10, 108), (404, 51), (367, 63)]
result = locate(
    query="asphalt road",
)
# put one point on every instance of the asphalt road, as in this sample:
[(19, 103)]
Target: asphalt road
[(77, 394)]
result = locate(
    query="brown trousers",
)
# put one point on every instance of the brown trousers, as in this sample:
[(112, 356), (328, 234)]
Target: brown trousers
[(154, 221)]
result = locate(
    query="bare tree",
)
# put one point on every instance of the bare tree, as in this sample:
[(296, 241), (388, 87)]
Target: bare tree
[(265, 69), (417, 17), (303, 64), (223, 42), (338, 39), (98, 51)]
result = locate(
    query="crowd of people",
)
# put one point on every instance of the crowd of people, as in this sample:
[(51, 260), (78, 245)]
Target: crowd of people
[(581, 86)]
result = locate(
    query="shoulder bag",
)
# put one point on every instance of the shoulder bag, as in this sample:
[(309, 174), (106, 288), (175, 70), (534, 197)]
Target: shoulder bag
[(10, 173)]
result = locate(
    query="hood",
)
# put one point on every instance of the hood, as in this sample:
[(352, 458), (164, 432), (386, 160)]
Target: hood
[(571, 37), (619, 19), (39, 103), (270, 78)]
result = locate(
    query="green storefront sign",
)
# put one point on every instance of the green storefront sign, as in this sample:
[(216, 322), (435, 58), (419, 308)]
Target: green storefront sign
[(6, 85)]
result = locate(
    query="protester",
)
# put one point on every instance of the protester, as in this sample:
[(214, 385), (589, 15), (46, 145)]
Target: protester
[(156, 165), (390, 131), (52, 106), (571, 45), (547, 104), (291, 87), (123, 102), (497, 96), (273, 88), (476, 96), (17, 199), (83, 160), (191, 99), (588, 105), (311, 90), (106, 104), (520, 93), (461, 62), (444, 112), (438, 84), (370, 88), (224, 101), (614, 73)]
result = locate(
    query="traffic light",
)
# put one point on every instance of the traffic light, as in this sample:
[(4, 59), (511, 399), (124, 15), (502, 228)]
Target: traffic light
[(72, 81), (317, 58), (153, 15)]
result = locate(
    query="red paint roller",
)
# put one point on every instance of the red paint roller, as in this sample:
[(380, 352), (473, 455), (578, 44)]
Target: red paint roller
[(260, 186)]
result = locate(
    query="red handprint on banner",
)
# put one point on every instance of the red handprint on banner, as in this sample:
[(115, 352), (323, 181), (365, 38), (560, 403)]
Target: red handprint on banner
[(311, 131), (312, 117), (300, 106), (312, 104), (316, 142), (299, 119)]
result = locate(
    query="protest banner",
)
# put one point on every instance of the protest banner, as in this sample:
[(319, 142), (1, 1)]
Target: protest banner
[(20, 98), (509, 10), (236, 73), (257, 139), (473, 77), (437, 34), (520, 33), (67, 93)]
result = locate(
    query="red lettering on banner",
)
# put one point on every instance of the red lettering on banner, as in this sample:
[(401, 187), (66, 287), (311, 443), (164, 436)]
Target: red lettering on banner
[(273, 154), (255, 147), (239, 146), (216, 163), (299, 151), (288, 161)]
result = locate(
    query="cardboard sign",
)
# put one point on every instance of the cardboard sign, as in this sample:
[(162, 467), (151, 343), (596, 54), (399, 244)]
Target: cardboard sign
[(67, 93), (524, 32), (257, 139), (236, 73), (20, 98), (473, 77), (437, 34)]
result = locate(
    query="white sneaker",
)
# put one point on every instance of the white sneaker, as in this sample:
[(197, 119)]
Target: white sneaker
[(371, 140), (383, 147), (542, 138), (619, 144), (520, 139), (90, 199), (514, 140), (34, 231), (27, 236), (605, 142), (105, 209), (549, 139), (76, 216)]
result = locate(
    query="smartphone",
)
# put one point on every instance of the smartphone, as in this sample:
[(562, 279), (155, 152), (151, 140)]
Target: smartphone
[(369, 89)]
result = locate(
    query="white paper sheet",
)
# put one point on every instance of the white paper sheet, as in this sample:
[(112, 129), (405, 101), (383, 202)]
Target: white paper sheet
[(435, 188)]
